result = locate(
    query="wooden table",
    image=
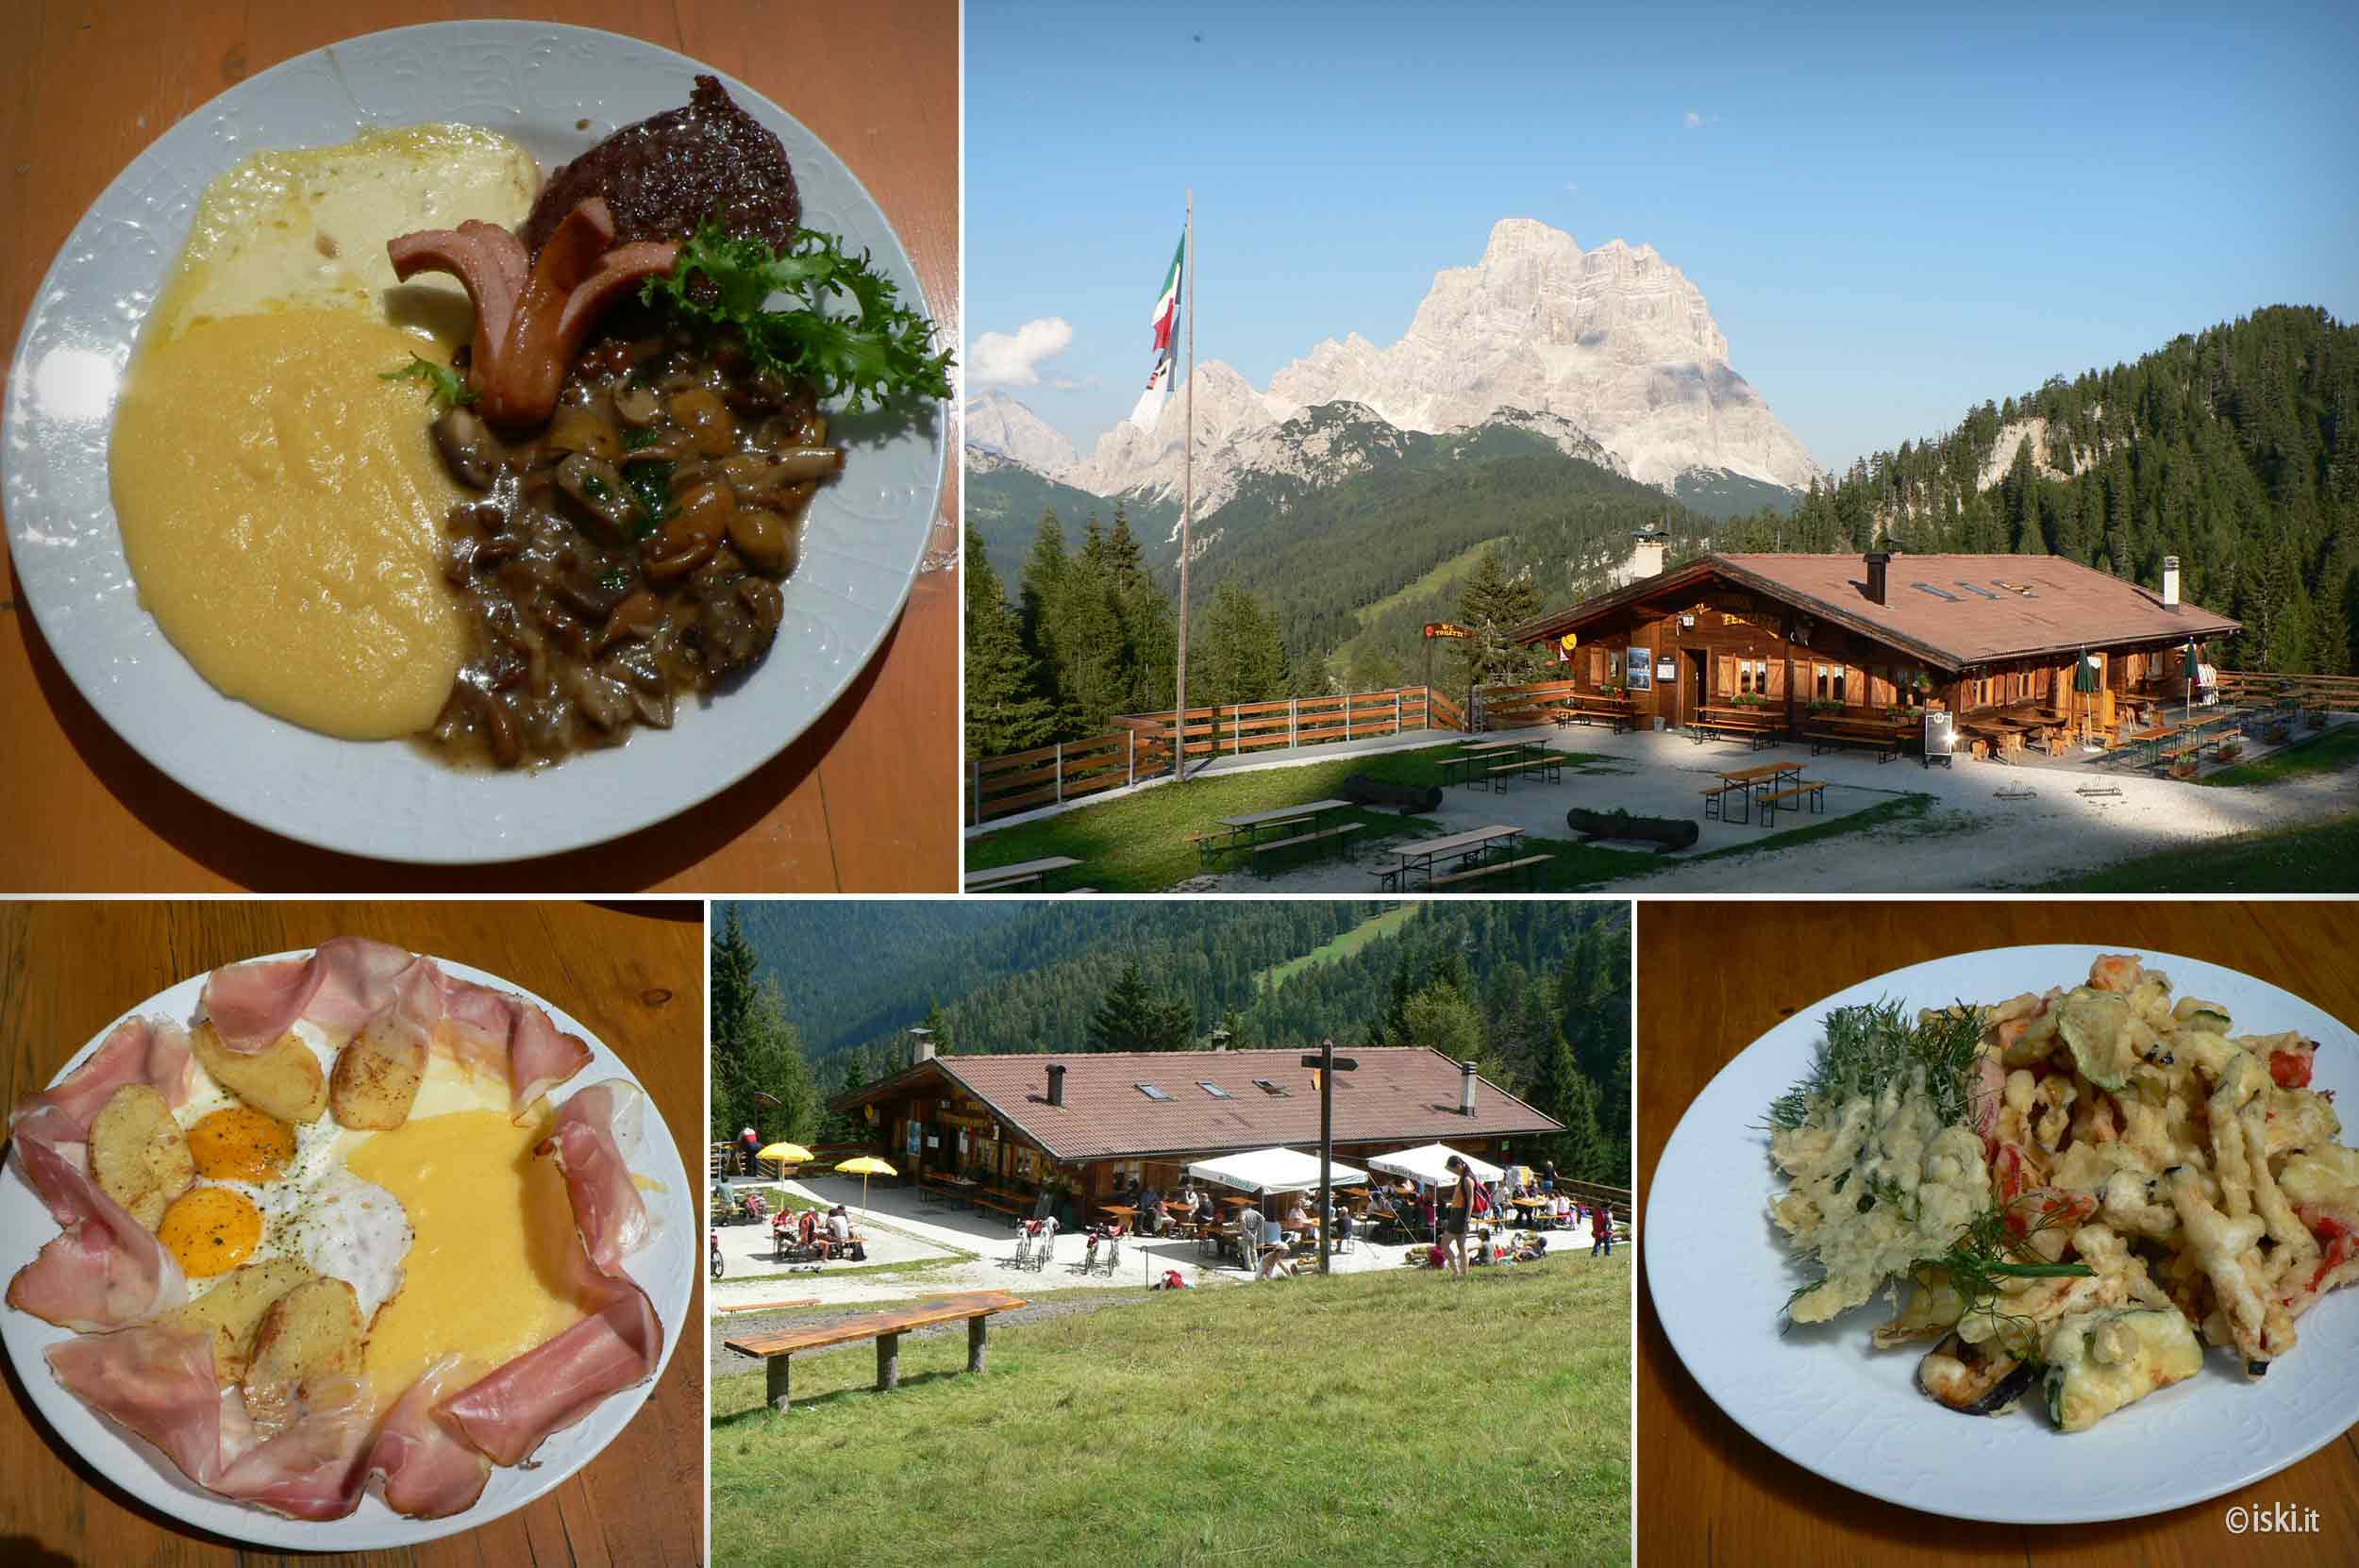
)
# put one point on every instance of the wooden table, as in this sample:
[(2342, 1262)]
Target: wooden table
[(1470, 844), (1252, 823), (1707, 1491), (635, 975), (867, 799)]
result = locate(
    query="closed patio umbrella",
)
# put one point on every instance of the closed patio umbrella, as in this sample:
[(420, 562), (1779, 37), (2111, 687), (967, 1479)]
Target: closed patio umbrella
[(2083, 684), (864, 1166)]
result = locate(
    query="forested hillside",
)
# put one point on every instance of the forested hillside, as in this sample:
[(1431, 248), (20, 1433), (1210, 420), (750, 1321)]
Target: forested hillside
[(2235, 449), (1537, 992)]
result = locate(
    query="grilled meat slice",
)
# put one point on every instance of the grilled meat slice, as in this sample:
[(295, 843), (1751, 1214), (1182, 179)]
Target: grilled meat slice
[(664, 175)]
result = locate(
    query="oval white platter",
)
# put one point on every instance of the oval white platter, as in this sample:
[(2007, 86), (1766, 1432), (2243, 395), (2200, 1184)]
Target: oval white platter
[(1824, 1398), (862, 540), (665, 1266)]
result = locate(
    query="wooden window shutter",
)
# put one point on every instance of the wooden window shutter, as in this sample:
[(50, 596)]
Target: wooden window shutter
[(1777, 677), (1726, 683)]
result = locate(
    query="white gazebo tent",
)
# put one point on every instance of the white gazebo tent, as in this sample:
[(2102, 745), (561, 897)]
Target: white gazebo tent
[(1278, 1170), (1429, 1164)]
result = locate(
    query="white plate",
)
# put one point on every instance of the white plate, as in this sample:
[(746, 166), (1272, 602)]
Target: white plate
[(862, 543), (1823, 1397), (665, 1266)]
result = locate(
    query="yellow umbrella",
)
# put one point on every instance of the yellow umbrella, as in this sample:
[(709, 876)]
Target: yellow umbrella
[(786, 1154), (864, 1166)]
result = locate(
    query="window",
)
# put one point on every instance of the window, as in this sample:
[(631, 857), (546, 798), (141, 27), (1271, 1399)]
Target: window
[(1830, 682), (1152, 1091), (1214, 1089), (1267, 1087), (1752, 677), (1641, 668), (1936, 592)]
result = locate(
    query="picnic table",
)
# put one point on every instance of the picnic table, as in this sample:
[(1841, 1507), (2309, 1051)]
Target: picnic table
[(1715, 720), (1831, 733), (1243, 831), (1742, 782), (1585, 707), (1000, 878), (1470, 846), (1481, 761), (775, 1351)]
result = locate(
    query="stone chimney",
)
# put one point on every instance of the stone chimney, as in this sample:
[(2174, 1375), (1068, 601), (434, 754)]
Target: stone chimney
[(1466, 1088), (924, 1051), (2171, 582), (1878, 562), (1056, 1083)]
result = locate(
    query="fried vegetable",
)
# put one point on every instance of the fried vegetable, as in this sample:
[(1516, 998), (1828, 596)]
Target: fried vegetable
[(376, 1076), (138, 1153), (283, 1079), (233, 1311), (2099, 1361), (307, 1339)]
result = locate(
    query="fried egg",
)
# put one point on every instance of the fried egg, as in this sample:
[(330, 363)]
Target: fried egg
[(266, 1189)]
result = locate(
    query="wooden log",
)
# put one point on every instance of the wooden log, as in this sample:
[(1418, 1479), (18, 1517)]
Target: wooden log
[(888, 1362), (977, 1330), (1670, 832), (1363, 791), (775, 1379)]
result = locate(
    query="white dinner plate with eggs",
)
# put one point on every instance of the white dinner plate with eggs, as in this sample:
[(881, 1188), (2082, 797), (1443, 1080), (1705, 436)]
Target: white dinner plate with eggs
[(665, 1266), (1822, 1397), (558, 90)]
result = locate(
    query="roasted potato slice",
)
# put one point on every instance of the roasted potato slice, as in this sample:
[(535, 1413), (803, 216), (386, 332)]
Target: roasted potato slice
[(139, 1154), (308, 1340), (376, 1076), (283, 1079), (233, 1311)]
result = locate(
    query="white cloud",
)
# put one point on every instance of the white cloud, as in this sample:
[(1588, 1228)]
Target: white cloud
[(1013, 359), (1572, 188), (1692, 121)]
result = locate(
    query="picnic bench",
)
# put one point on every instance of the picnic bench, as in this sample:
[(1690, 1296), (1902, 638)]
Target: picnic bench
[(1548, 765), (1001, 879), (1743, 782), (1470, 846), (1813, 791), (1581, 708), (1717, 723), (1835, 734), (775, 1351), (1490, 868)]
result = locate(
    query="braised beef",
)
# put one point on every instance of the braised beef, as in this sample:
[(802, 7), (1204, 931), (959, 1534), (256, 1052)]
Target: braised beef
[(664, 175)]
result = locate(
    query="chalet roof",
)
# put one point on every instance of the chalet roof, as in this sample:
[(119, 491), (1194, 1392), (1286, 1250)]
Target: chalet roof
[(1949, 611), (1407, 1092)]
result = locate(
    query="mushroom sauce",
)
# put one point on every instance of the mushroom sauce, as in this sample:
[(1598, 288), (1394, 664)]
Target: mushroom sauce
[(628, 552)]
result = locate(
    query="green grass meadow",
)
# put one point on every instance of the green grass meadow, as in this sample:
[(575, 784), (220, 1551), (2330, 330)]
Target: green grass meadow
[(1403, 1418)]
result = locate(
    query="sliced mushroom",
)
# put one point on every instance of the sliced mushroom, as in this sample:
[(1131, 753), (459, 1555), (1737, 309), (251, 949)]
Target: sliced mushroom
[(766, 540), (468, 447), (580, 427), (711, 428), (597, 485), (692, 533), (635, 617), (636, 403)]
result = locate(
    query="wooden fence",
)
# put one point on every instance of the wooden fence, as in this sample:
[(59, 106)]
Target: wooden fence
[(2262, 686), (1139, 744), (1517, 706)]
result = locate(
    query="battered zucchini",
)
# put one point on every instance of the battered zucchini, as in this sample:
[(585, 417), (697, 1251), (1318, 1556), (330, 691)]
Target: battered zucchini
[(2099, 1361)]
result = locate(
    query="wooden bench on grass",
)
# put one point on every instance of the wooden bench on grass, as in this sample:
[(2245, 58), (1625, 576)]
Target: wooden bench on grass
[(1495, 866), (1812, 789), (1338, 833), (1217, 841), (1549, 765), (976, 1307)]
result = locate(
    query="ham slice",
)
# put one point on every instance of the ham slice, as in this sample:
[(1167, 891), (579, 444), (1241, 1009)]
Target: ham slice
[(509, 1413), (105, 1269), (531, 312), (351, 985), (429, 1472), (137, 1051)]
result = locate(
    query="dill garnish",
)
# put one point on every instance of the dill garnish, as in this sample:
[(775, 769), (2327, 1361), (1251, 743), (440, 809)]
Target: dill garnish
[(1871, 1047)]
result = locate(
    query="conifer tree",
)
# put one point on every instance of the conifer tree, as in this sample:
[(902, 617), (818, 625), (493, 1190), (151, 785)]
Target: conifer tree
[(1005, 711), (1239, 651)]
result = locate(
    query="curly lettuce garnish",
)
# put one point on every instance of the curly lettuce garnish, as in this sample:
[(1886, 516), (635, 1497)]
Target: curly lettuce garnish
[(449, 387), (882, 353)]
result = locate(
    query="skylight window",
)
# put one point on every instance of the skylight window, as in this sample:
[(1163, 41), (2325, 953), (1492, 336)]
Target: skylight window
[(1267, 1087), (1936, 592), (1214, 1089), (1152, 1091), (1976, 588)]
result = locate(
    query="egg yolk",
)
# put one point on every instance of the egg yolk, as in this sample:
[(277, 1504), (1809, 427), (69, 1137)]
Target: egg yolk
[(210, 1231), (240, 1144)]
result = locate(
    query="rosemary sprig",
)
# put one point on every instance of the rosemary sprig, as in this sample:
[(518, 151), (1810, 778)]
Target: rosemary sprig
[(1871, 1047)]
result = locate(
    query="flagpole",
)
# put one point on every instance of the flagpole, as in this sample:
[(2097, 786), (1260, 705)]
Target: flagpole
[(1187, 505)]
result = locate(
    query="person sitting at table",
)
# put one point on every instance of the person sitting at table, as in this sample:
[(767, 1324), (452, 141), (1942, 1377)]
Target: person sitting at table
[(807, 1226), (1274, 1242), (838, 1228), (1151, 1211), (1343, 1222), (1298, 1221)]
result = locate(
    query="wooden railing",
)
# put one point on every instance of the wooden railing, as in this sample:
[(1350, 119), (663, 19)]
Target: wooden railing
[(1139, 744), (1616, 1199), (2262, 686), (1515, 707)]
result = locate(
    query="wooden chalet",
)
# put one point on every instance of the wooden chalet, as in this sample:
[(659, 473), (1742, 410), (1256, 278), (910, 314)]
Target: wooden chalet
[(1084, 1125), (1877, 637)]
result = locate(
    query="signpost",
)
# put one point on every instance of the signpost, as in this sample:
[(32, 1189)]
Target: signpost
[(1433, 630), (1328, 1064)]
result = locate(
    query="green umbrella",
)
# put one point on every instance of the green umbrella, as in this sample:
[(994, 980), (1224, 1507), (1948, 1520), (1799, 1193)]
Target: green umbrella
[(2084, 674)]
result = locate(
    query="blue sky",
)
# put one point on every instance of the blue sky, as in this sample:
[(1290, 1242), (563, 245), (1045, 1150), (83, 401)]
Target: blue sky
[(1893, 216)]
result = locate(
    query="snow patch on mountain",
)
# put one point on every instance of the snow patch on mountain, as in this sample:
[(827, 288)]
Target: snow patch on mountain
[(999, 425)]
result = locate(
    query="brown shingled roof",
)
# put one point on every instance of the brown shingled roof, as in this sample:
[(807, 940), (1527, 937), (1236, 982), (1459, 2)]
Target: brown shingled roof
[(1978, 615), (1406, 1092)]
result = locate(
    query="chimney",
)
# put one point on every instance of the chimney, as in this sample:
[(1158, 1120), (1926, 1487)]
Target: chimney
[(924, 1051), (1056, 1083), (1646, 555), (1878, 560), (1466, 1088), (2171, 582)]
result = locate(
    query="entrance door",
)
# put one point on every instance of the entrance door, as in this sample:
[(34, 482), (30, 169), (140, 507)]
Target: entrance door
[(1696, 681)]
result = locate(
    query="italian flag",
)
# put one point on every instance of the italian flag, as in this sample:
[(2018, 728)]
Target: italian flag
[(1165, 321)]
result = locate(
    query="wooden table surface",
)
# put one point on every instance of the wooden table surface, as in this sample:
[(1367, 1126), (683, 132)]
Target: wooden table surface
[(1714, 976), (865, 801), (634, 974)]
